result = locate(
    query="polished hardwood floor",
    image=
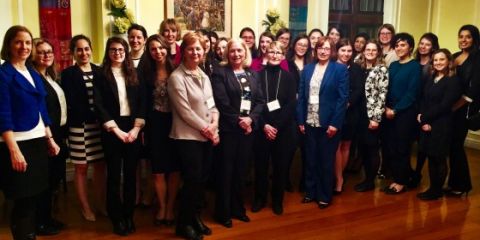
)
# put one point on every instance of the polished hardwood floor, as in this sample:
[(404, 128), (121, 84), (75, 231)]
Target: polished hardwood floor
[(371, 215)]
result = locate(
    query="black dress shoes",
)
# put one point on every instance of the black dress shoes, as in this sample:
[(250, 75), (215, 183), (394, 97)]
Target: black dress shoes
[(307, 200), (201, 227), (119, 228), (429, 195), (322, 205), (364, 187), (130, 225), (226, 223), (242, 217), (277, 208), (47, 230), (258, 205), (188, 232)]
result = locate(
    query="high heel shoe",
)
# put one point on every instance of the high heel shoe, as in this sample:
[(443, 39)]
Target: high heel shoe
[(453, 193), (89, 216)]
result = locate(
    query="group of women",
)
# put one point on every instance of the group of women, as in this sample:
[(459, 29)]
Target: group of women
[(203, 109)]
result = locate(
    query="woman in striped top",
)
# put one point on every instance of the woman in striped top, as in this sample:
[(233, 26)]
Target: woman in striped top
[(84, 133)]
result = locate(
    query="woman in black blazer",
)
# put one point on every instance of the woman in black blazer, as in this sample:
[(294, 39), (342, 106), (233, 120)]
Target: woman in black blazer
[(120, 105), (43, 61), (239, 100), (435, 118), (83, 127), (274, 141)]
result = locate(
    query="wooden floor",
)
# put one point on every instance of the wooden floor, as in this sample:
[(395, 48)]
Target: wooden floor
[(353, 215)]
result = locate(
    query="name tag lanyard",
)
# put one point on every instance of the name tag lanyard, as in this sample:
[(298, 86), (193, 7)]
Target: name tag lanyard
[(278, 85)]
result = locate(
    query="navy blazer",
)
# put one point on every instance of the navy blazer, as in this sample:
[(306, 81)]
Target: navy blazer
[(20, 102), (333, 94), (227, 94)]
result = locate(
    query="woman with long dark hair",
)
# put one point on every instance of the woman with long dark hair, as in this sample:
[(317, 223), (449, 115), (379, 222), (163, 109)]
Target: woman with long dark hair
[(120, 105), (155, 70), (84, 135), (466, 64)]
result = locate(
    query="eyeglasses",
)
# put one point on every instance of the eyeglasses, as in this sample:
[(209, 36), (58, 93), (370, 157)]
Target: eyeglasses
[(116, 50), (385, 33), (324, 49), (45, 53), (274, 53)]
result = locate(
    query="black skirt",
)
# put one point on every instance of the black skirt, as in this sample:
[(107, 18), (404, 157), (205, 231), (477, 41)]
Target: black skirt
[(17, 185), (164, 158)]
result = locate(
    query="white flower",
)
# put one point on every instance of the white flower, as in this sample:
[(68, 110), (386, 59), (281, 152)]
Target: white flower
[(130, 15), (273, 13)]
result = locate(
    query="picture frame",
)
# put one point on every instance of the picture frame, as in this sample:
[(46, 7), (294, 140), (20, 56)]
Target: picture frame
[(213, 15)]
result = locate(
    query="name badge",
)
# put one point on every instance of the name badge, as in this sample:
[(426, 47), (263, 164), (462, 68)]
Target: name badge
[(314, 100), (210, 103), (247, 89), (245, 105), (273, 105)]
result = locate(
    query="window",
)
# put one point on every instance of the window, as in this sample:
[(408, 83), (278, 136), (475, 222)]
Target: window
[(356, 16), (374, 6), (341, 6)]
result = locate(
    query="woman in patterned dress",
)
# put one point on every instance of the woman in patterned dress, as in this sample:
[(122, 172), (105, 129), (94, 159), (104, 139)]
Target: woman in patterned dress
[(84, 134)]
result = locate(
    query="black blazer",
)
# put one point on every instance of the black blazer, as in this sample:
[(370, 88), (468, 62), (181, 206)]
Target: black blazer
[(73, 84), (435, 110), (107, 103), (53, 108), (227, 95)]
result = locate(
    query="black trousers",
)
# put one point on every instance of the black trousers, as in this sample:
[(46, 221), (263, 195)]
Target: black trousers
[(371, 160), (195, 164), (235, 151), (459, 178), (437, 171), (397, 140), (121, 158), (279, 152), (56, 167)]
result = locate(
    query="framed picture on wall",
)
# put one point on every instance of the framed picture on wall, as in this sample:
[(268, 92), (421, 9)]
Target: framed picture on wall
[(213, 15)]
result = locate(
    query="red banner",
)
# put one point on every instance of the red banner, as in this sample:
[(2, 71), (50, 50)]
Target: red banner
[(56, 27)]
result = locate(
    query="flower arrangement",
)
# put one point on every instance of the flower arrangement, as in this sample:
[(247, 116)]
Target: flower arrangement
[(273, 22), (122, 16)]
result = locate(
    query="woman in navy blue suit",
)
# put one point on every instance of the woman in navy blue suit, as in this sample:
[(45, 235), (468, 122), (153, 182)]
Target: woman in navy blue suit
[(237, 92), (25, 136), (322, 102)]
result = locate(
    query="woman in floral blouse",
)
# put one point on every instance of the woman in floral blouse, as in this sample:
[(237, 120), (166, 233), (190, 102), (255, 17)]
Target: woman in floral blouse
[(371, 109)]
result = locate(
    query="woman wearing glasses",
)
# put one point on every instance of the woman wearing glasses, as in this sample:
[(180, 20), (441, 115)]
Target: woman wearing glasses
[(277, 130), (322, 102), (120, 104)]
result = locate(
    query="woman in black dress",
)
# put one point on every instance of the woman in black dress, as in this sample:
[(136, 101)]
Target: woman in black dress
[(439, 95), (466, 61), (155, 70), (344, 56)]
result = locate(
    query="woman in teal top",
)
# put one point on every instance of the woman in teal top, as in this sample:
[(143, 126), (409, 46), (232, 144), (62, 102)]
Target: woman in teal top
[(400, 112)]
